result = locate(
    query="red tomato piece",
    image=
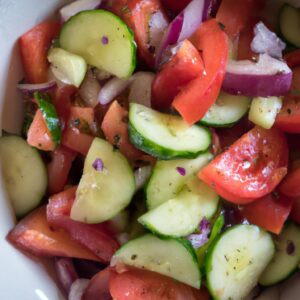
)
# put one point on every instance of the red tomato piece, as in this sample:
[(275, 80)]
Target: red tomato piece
[(251, 168), (293, 58), (290, 186), (183, 67), (234, 15), (39, 135), (269, 212), (34, 235), (137, 15), (92, 236), (137, 284), (198, 95), (59, 168), (34, 46), (98, 288), (288, 118), (175, 6), (295, 213), (81, 118), (115, 128)]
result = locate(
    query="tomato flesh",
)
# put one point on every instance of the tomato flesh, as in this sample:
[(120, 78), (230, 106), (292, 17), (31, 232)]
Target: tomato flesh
[(251, 168)]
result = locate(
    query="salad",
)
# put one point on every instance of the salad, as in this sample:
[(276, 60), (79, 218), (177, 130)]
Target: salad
[(159, 154)]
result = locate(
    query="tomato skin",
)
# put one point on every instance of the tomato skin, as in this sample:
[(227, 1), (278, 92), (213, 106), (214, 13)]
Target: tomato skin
[(251, 168), (93, 236), (269, 212), (115, 128), (34, 45), (34, 235), (290, 185), (293, 58), (137, 284), (288, 119), (198, 95), (183, 67), (59, 168)]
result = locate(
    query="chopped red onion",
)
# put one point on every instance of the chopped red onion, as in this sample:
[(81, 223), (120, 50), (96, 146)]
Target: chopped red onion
[(98, 165), (266, 41), (290, 247), (141, 176), (181, 171), (78, 288), (267, 77), (29, 89), (77, 6), (199, 239), (104, 40)]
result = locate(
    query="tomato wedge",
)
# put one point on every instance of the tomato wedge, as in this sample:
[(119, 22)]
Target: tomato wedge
[(34, 46), (137, 284), (251, 168), (269, 212), (290, 186), (183, 67), (94, 237), (198, 95), (33, 234)]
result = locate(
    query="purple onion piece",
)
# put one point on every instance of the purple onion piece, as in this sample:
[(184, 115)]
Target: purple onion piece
[(181, 171), (29, 89), (104, 40), (267, 77), (215, 4), (78, 288), (290, 247), (98, 165), (266, 41), (199, 239)]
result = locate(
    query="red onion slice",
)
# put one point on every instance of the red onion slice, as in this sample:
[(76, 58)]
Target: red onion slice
[(266, 41), (267, 77), (141, 176), (78, 288), (77, 6), (27, 88)]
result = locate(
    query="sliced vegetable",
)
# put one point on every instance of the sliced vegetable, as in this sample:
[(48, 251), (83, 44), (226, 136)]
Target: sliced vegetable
[(286, 257), (33, 234), (289, 21), (148, 252), (184, 66), (165, 136), (29, 89), (263, 111), (197, 96), (181, 215), (33, 46), (96, 198), (166, 181), (19, 160), (236, 261), (78, 288), (269, 212), (251, 168), (67, 67), (175, 6), (102, 39), (293, 58), (267, 77), (227, 110)]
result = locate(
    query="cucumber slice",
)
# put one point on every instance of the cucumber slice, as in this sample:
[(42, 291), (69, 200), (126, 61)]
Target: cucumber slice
[(50, 115), (263, 111), (175, 258), (102, 194), (285, 260), (67, 67), (227, 110), (102, 39), (166, 182), (236, 261), (289, 22), (165, 136), (181, 216), (24, 172)]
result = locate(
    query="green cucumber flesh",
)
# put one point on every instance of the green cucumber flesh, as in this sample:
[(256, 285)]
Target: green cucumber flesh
[(166, 182), (50, 116), (289, 21), (181, 215), (102, 39), (283, 263), (175, 258), (165, 136), (236, 260), (102, 194), (24, 173), (227, 110)]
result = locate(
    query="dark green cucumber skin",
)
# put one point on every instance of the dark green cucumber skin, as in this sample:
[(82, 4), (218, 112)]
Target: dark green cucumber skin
[(50, 116), (158, 151)]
